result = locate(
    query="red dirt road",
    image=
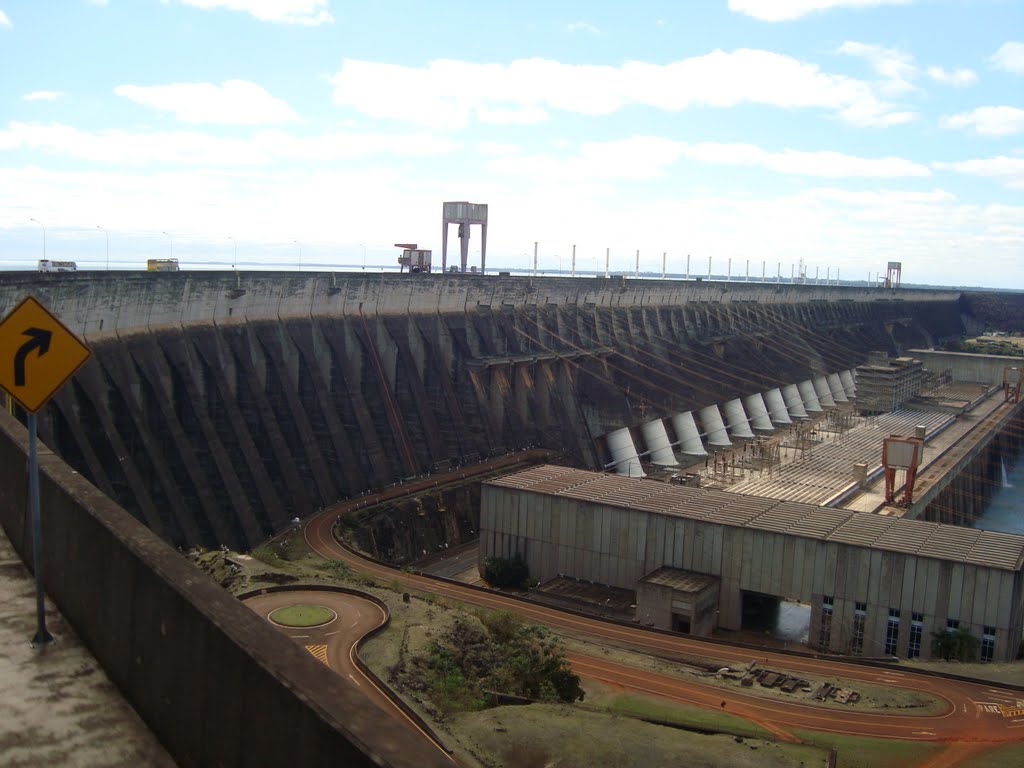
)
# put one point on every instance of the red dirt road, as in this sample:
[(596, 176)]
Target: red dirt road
[(981, 715)]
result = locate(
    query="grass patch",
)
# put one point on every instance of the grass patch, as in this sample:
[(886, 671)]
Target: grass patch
[(864, 752), (999, 757), (568, 737), (651, 709), (302, 615)]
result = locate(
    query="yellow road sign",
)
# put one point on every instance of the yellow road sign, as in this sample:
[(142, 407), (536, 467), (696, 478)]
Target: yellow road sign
[(37, 354)]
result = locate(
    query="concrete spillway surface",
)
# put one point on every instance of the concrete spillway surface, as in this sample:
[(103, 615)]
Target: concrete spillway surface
[(809, 396), (658, 443), (849, 384), (836, 387), (776, 406), (758, 412), (736, 419), (624, 455), (794, 401), (714, 427), (823, 392), (689, 437)]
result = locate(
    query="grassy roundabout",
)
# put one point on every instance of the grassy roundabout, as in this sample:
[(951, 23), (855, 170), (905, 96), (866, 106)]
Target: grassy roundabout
[(302, 615)]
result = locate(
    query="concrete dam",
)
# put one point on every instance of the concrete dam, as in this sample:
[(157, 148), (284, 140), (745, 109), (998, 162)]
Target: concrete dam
[(219, 406)]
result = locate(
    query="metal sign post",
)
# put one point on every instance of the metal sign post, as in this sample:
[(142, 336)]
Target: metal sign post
[(37, 355), (42, 637)]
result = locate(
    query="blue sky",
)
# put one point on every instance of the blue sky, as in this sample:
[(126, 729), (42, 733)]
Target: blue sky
[(846, 133)]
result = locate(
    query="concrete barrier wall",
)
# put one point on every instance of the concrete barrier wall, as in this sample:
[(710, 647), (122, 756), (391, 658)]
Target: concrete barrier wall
[(214, 682), (983, 369), (95, 303)]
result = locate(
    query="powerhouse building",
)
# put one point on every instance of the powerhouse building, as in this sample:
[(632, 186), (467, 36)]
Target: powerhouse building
[(877, 585)]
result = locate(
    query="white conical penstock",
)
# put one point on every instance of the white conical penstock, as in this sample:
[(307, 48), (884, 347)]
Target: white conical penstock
[(757, 411), (689, 437), (736, 419), (714, 427), (809, 397), (657, 443), (624, 458), (794, 401), (823, 392), (836, 386), (849, 385), (776, 406)]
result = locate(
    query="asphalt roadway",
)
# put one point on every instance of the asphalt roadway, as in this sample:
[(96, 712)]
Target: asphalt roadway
[(334, 643), (977, 715)]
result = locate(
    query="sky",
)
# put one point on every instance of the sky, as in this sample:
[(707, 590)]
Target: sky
[(751, 134)]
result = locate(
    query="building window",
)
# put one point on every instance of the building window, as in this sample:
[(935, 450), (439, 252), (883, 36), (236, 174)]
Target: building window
[(892, 632), (825, 634), (952, 625), (916, 628), (988, 644), (859, 616)]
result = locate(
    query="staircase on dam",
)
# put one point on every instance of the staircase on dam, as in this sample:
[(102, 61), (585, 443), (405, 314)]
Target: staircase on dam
[(218, 407)]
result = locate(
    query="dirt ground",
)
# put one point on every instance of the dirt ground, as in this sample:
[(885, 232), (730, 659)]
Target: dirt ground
[(608, 728)]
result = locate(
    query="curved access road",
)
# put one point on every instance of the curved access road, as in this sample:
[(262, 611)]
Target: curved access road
[(334, 643), (974, 712)]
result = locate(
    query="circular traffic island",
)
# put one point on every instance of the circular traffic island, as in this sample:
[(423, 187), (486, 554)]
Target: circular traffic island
[(303, 615)]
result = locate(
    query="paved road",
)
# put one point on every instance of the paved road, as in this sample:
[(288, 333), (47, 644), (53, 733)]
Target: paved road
[(334, 643), (975, 713)]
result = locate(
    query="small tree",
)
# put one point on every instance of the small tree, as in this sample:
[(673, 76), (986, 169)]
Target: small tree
[(507, 572), (959, 645)]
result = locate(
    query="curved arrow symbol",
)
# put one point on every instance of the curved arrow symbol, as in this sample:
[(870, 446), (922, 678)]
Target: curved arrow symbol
[(39, 339)]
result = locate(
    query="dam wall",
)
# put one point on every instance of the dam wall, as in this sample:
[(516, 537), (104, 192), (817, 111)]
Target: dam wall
[(217, 420), (213, 682), (96, 302)]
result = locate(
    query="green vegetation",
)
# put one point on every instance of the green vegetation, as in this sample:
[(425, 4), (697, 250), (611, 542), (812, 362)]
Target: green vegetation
[(302, 615), (1012, 346), (507, 572), (999, 757), (959, 645), (864, 752), (494, 653), (570, 737), (690, 717)]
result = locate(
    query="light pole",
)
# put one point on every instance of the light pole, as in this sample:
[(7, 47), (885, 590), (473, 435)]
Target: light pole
[(234, 258), (37, 221), (364, 255), (300, 253), (172, 243), (107, 236)]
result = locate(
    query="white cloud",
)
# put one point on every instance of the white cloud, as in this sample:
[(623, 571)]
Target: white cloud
[(118, 147), (956, 77), (42, 96), (235, 102), (787, 10), (448, 93), (988, 121), (4, 21), (1009, 170), (895, 67), (497, 148), (583, 26), (648, 157), (1010, 57), (820, 163), (306, 12)]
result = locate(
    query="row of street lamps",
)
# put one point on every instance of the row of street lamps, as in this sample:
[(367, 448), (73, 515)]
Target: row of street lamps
[(170, 239)]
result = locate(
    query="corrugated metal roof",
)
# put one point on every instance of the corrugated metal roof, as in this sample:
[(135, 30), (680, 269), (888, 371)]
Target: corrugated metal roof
[(915, 537), (680, 580)]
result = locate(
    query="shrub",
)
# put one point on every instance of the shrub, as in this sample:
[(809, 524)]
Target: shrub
[(507, 572)]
